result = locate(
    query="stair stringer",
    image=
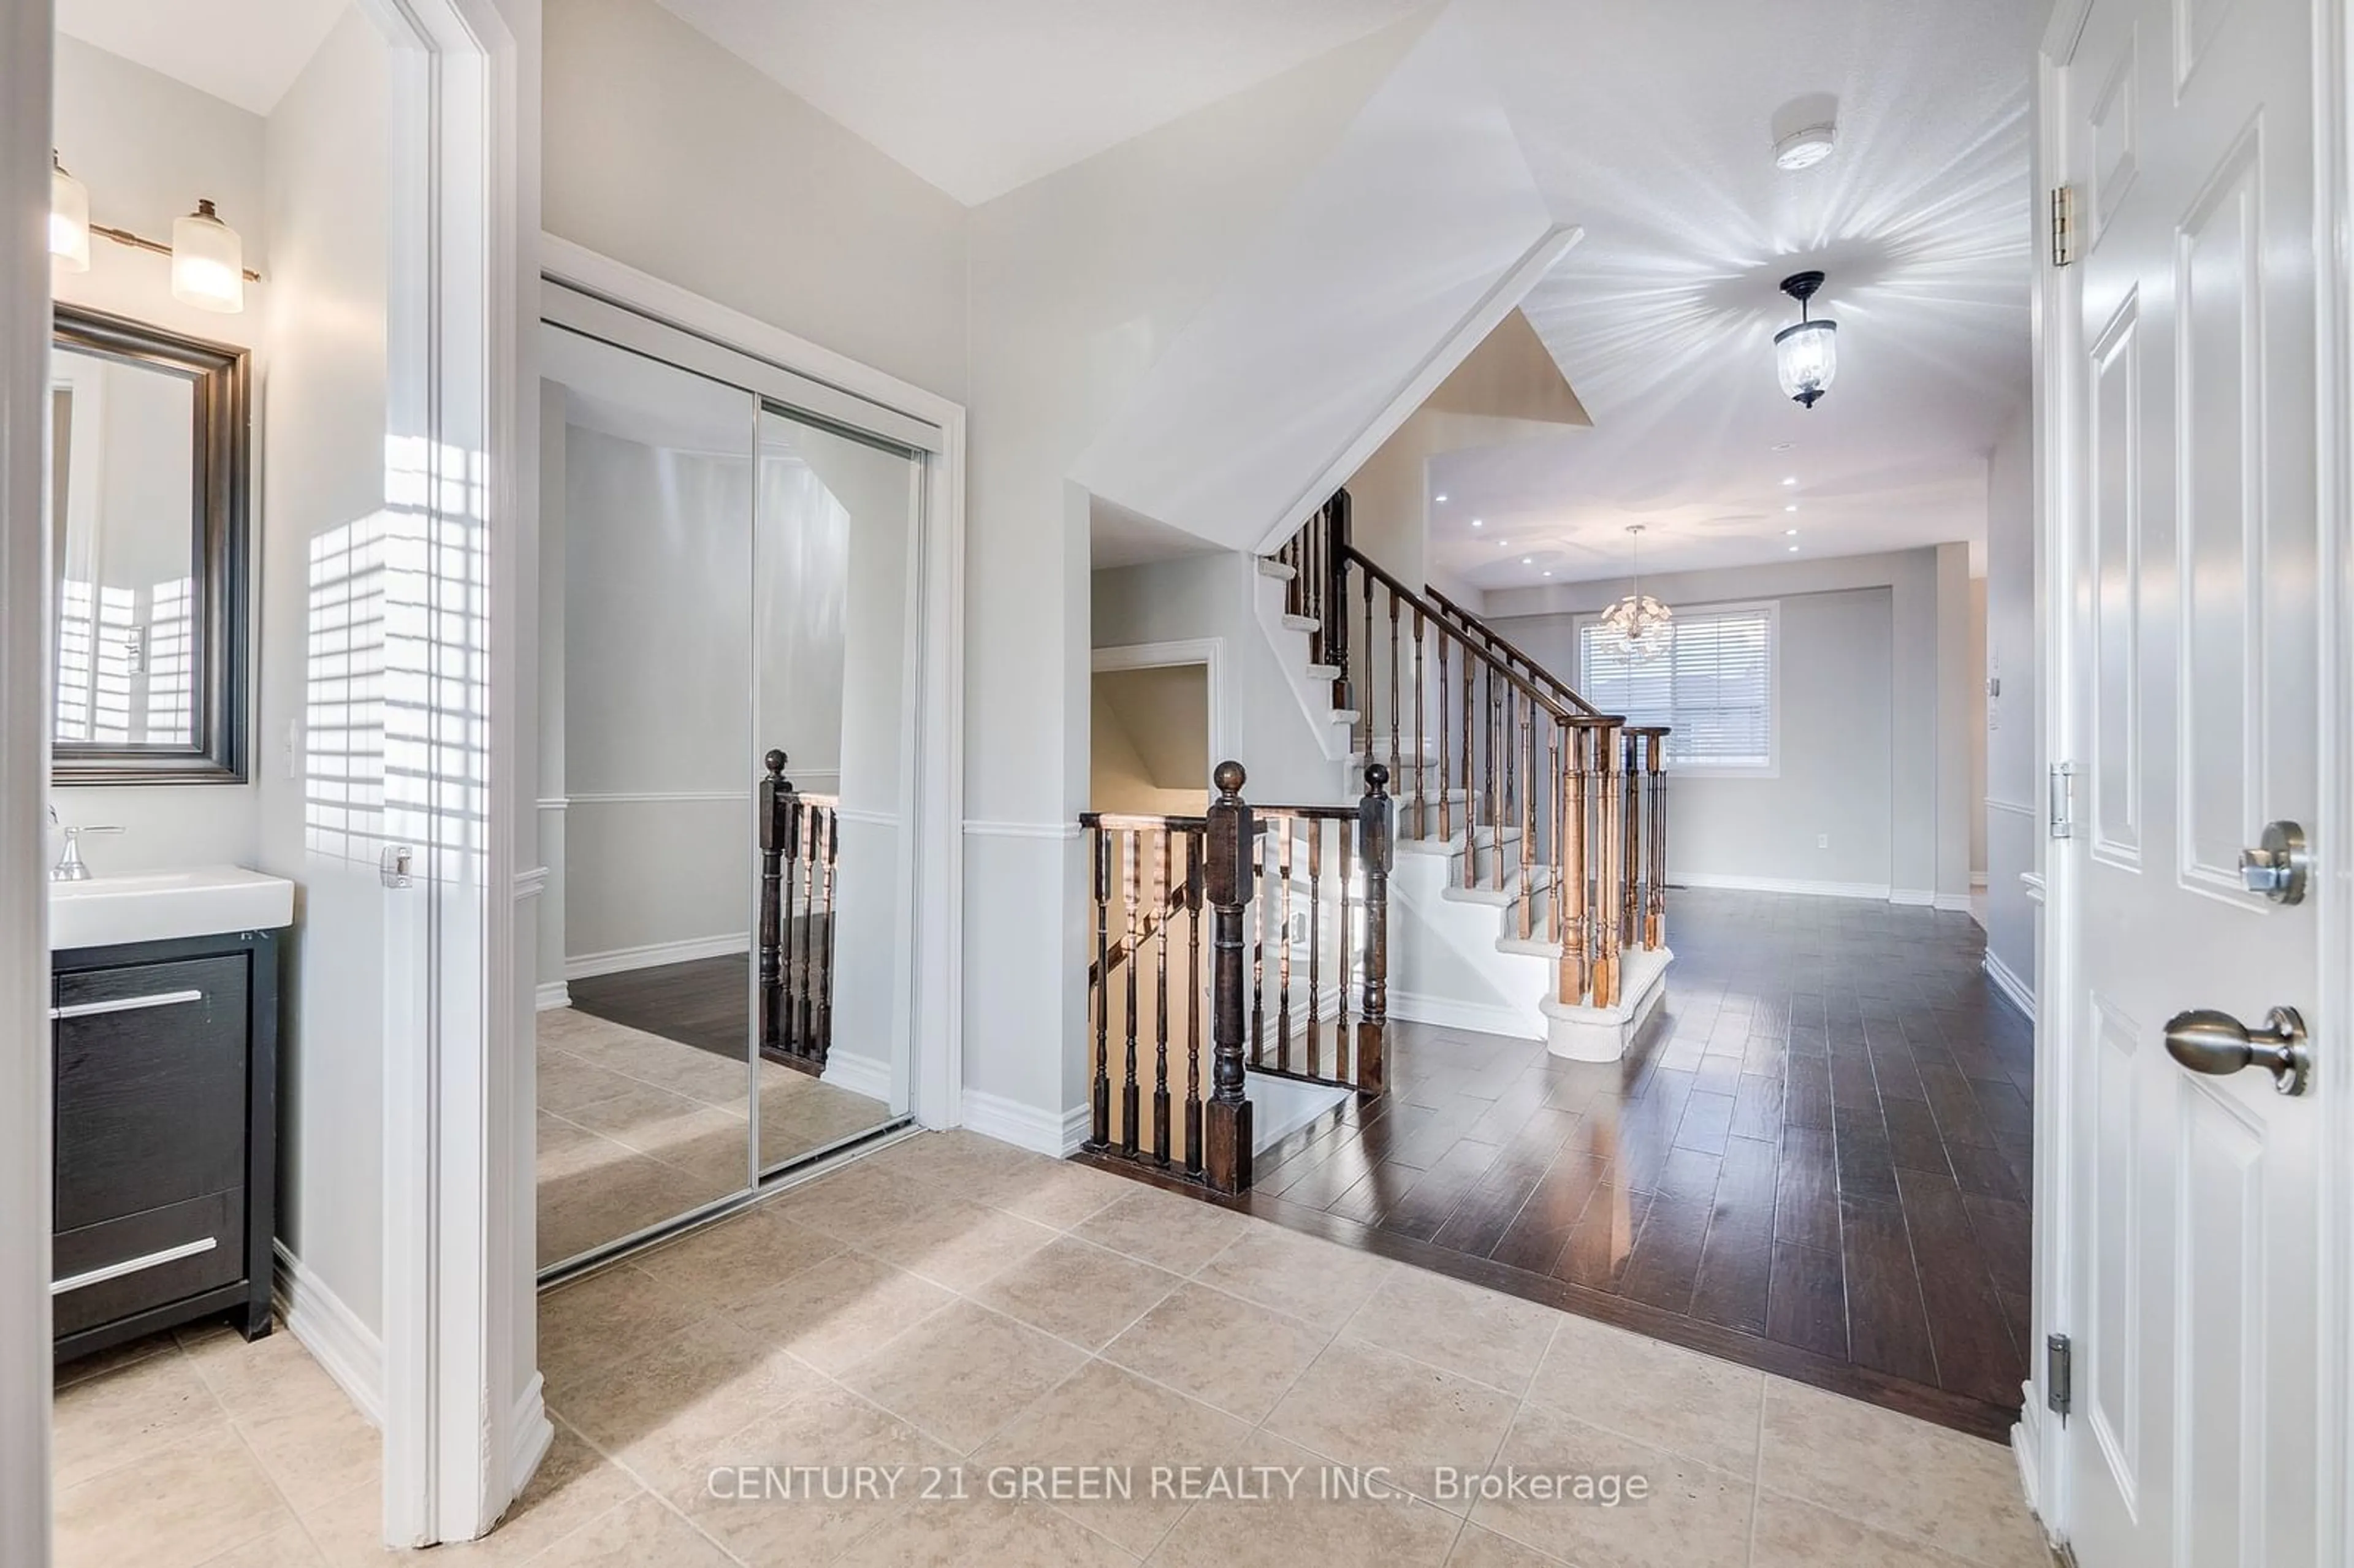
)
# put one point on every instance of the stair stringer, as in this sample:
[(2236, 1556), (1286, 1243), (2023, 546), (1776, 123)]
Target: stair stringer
[(1448, 964), (1270, 586)]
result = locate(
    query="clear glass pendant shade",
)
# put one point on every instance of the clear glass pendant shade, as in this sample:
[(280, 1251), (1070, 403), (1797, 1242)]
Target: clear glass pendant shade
[(207, 263), (69, 219), (1806, 355), (1642, 625)]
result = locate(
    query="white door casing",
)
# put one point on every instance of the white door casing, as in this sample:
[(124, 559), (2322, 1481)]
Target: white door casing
[(2181, 377)]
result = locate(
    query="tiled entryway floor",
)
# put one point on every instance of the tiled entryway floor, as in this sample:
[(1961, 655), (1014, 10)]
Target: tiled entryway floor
[(955, 1303), (1816, 1161)]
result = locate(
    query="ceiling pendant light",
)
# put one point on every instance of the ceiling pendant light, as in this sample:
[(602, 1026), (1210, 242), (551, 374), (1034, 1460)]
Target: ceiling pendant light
[(1806, 353), (68, 218), (1639, 624), (207, 261)]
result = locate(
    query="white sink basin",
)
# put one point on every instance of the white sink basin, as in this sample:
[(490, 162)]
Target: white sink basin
[(158, 906)]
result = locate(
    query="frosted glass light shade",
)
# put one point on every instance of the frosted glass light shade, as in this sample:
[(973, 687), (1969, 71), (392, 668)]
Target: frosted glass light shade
[(207, 263), (1806, 355), (69, 219)]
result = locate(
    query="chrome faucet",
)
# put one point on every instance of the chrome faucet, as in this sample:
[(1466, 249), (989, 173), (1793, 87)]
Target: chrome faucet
[(70, 866)]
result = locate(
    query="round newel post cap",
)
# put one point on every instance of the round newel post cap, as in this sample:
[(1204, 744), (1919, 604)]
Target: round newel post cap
[(1377, 777), (775, 761), (1229, 777)]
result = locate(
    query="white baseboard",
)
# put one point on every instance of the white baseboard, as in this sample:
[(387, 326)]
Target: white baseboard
[(859, 1075), (1913, 897), (580, 966), (1875, 890), (1953, 903), (554, 994), (1024, 1127), (1481, 1017), (332, 1332), (532, 1433), (2027, 1450), (2016, 992)]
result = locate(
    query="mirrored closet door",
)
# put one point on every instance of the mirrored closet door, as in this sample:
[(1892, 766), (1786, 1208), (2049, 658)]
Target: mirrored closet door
[(727, 647)]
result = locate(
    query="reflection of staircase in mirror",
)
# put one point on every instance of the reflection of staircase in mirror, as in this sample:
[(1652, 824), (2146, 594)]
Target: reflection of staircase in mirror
[(800, 838), (1530, 877)]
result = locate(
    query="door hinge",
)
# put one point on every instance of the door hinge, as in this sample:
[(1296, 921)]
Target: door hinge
[(2059, 1375), (2063, 801), (2063, 225)]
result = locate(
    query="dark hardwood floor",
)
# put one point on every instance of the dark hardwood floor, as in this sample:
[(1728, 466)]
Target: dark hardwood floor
[(704, 1002), (1816, 1161)]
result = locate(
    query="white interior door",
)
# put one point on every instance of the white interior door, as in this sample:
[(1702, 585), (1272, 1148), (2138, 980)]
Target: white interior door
[(2186, 577)]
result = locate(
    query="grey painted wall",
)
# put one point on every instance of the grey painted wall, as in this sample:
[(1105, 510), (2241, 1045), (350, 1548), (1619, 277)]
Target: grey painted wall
[(2014, 717)]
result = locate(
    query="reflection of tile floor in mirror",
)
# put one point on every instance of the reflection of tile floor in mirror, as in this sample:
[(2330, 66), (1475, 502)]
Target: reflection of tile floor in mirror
[(953, 1301), (634, 1128)]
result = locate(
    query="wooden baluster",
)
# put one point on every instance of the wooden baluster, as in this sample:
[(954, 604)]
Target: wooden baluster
[(1421, 737), (1344, 839), (1554, 794), (1161, 1003), (1446, 737), (1631, 892), (1498, 813), (1315, 830), (805, 1007), (1606, 911), (1196, 998), (1398, 697), (788, 996), (1128, 1094), (1655, 922), (1258, 854), (1335, 592), (1528, 816), (1099, 1087), (1374, 831), (1571, 896), (823, 985), (1228, 1163), (774, 792), (1282, 826), (1471, 796), (1367, 696)]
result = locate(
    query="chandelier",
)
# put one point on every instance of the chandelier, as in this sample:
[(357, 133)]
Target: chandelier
[(1639, 625), (1806, 352)]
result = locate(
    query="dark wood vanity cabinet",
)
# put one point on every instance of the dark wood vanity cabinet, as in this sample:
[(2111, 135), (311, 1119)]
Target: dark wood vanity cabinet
[(166, 1110)]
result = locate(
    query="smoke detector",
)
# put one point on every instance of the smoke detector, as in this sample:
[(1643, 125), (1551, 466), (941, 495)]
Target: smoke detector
[(1803, 149)]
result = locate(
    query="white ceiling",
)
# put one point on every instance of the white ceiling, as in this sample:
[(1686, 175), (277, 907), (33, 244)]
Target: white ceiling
[(979, 98), (1651, 127), (247, 52)]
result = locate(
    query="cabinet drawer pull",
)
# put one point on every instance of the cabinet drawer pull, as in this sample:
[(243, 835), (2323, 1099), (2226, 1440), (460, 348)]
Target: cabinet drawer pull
[(125, 1004), (133, 1266)]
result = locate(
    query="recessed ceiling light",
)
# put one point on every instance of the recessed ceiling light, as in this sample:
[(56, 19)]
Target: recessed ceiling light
[(1441, 498), (1792, 507), (1548, 572), (1805, 149), (1791, 480), (1528, 560), (1791, 533), (1503, 544), (1794, 549), (1476, 522)]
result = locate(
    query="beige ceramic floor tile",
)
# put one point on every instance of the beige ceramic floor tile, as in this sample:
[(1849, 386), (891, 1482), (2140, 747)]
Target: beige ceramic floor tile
[(1296, 1274), (1489, 1338), (726, 1265), (662, 1413), (759, 1498), (959, 1161), (589, 1322), (1658, 1394), (1078, 1292), (978, 1530), (288, 1546), (857, 1202), (317, 1448), (836, 1313), (1478, 1548), (100, 1363), (954, 1242), (1794, 1534), (1903, 1475), (1362, 1405), (175, 1508), (1236, 1355), (1163, 1229), (620, 1194), (641, 1533), (1051, 1191), (1275, 1528), (121, 1416), (964, 1374), (568, 1083), (574, 1485), (1688, 1514), (1113, 1420)]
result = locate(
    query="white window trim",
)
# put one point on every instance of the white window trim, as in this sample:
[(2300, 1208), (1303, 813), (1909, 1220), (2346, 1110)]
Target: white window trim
[(1773, 609)]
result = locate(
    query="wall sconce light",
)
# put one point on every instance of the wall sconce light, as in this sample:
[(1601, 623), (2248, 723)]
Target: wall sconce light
[(208, 267), (1806, 353), (68, 218)]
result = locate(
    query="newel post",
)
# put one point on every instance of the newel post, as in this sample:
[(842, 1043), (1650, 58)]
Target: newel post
[(1226, 872), (1375, 815), (1335, 637), (776, 793)]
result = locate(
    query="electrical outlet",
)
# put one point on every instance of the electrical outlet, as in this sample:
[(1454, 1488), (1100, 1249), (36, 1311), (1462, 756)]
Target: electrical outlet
[(1822, 841)]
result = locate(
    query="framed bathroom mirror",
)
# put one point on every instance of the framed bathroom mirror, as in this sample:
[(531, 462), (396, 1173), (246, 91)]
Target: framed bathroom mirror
[(149, 498)]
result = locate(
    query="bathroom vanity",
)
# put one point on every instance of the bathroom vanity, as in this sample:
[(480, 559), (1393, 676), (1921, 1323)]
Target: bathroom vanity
[(164, 1010)]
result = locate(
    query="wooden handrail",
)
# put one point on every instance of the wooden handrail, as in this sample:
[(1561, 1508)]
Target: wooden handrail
[(1446, 624), (1468, 622)]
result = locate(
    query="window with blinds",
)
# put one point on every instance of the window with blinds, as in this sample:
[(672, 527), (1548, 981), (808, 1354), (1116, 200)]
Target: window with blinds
[(1714, 688)]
